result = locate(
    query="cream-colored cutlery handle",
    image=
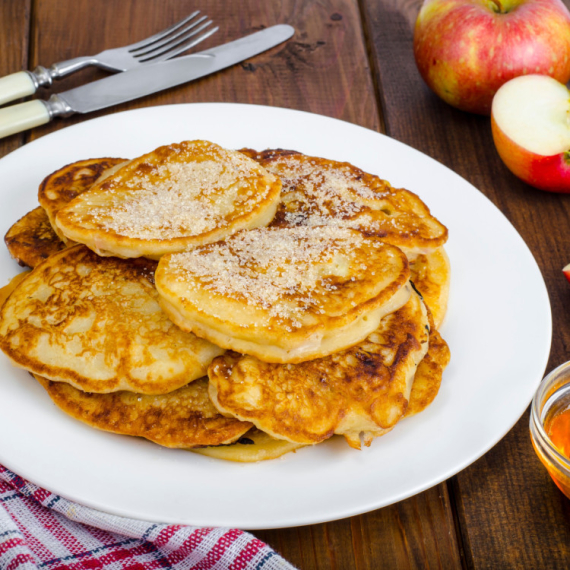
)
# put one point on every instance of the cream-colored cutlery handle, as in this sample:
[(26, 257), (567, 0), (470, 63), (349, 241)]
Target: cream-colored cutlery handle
[(15, 86), (21, 117)]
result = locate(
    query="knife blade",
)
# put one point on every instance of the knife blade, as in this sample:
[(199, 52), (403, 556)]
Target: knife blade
[(139, 82)]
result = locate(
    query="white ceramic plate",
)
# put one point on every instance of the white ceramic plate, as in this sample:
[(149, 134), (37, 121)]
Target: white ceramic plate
[(498, 328)]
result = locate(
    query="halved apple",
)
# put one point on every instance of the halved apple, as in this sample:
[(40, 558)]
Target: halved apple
[(530, 119)]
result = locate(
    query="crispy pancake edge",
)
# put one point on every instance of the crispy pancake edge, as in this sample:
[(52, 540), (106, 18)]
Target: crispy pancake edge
[(431, 276), (31, 239), (427, 380), (182, 419), (61, 183)]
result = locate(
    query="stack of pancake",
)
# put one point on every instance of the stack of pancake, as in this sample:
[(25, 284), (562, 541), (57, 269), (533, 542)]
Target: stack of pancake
[(239, 304)]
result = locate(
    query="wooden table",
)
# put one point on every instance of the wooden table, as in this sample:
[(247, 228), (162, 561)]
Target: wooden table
[(353, 60)]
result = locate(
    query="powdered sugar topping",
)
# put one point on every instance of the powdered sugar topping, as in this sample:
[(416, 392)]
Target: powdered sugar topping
[(284, 271), (317, 192), (181, 195)]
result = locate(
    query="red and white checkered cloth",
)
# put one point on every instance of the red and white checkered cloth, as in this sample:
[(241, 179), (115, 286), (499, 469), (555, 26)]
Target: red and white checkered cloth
[(41, 530)]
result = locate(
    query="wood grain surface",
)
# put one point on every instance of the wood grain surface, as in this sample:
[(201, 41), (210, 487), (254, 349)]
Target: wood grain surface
[(354, 61)]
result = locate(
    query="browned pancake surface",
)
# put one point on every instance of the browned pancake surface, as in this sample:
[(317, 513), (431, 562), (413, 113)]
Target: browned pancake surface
[(96, 323), (364, 389), (184, 418), (32, 239)]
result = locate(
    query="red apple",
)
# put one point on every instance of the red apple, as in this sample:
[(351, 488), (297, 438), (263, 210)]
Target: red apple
[(466, 49), (566, 272), (530, 120)]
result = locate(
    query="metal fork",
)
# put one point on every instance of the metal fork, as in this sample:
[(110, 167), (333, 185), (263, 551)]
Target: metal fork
[(167, 44)]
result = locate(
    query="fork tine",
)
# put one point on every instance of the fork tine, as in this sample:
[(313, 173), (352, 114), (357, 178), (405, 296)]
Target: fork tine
[(179, 46), (182, 49), (150, 40), (158, 44), (166, 46)]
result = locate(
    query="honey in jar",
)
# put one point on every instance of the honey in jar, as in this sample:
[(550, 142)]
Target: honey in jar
[(558, 430), (557, 427), (550, 425)]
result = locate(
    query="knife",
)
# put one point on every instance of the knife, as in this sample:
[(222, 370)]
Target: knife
[(139, 82)]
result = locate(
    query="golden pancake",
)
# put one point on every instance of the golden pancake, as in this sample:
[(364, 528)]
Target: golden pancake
[(430, 274), (428, 375), (32, 239), (362, 391), (253, 446), (95, 323), (63, 185), (285, 294), (256, 445), (321, 192), (183, 419), (174, 198)]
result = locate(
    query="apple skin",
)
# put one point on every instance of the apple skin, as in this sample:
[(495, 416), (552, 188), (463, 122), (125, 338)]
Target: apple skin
[(466, 49), (549, 173), (566, 272)]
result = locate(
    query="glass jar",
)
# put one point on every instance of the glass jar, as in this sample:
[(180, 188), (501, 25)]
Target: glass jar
[(552, 398)]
